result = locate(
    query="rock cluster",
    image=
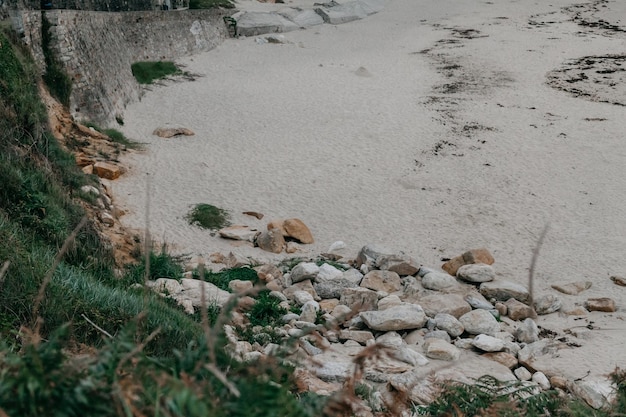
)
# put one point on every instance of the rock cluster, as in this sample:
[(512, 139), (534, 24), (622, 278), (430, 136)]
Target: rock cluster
[(280, 235), (406, 322)]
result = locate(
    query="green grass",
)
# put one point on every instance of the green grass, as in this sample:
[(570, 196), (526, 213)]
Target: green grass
[(115, 135), (208, 217), (222, 278), (146, 72)]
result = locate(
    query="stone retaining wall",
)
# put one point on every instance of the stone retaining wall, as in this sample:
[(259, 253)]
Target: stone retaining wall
[(98, 48)]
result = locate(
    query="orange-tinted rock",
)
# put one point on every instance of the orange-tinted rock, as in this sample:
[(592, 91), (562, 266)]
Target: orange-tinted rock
[(600, 304), (271, 241), (473, 256), (106, 170), (295, 228)]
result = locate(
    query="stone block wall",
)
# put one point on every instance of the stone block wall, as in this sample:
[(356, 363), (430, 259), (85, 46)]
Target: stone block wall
[(98, 48)]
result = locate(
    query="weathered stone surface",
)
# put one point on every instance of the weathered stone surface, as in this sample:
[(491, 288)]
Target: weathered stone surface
[(300, 286), (268, 272), (438, 281), (361, 336), (477, 300), (470, 257), (309, 311), (328, 272), (452, 304), (307, 382), (503, 290), (359, 299), (332, 366), (403, 317), (476, 273), (239, 232), (527, 331), (212, 294), (259, 23), (296, 229), (302, 297), (488, 343), (522, 374), (598, 394), (389, 301), (107, 170), (532, 351), (239, 286), (504, 358), (449, 324), (440, 349), (332, 288), (517, 310), (480, 321), (353, 275), (547, 304), (370, 253), (303, 18), (542, 380), (304, 270), (328, 305), (271, 241), (165, 286), (402, 265), (600, 304), (170, 132), (621, 281), (378, 280), (573, 288)]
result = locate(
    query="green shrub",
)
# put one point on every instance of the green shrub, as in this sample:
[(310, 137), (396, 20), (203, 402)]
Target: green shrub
[(208, 216), (222, 278), (266, 311), (147, 72), (162, 265)]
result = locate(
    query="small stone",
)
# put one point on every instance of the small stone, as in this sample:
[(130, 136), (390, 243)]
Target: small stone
[(438, 334), (470, 257), (547, 304), (340, 311), (332, 288), (400, 264), (239, 286), (488, 343), (480, 321), (361, 336), (573, 288), (621, 281), (268, 272), (601, 304), (303, 271), (106, 218), (452, 304), (558, 382), (441, 350), (107, 170), (90, 189), (378, 280), (300, 286), (271, 241), (477, 300), (527, 331), (309, 312), (239, 232), (522, 374), (518, 310), (502, 308), (328, 272), (359, 299), (542, 380), (438, 281), (389, 301), (302, 297), (170, 132), (449, 323), (296, 229), (403, 317), (503, 290), (370, 253), (476, 273)]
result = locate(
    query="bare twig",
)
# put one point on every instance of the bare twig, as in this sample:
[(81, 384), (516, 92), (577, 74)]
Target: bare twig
[(533, 262), (4, 270), (140, 347), (97, 327), (222, 378), (57, 260), (147, 244)]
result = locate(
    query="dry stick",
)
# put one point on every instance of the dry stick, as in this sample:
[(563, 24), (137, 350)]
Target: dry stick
[(137, 349), (97, 327), (3, 271), (55, 264), (147, 244), (533, 262)]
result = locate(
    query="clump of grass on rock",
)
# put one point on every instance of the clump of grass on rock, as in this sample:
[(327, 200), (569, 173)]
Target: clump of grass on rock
[(208, 217)]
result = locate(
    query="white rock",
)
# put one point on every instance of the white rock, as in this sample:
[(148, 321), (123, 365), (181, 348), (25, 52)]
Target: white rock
[(327, 273), (522, 374), (440, 349), (480, 321), (409, 316), (488, 343), (438, 281), (542, 380), (476, 273), (304, 270), (301, 297)]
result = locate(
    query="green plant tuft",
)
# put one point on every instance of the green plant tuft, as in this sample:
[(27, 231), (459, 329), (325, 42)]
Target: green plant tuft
[(222, 278), (208, 216), (146, 72)]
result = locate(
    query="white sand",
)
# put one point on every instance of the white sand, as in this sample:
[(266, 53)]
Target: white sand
[(377, 131)]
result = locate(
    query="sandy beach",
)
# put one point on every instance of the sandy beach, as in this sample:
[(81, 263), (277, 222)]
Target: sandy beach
[(431, 127)]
